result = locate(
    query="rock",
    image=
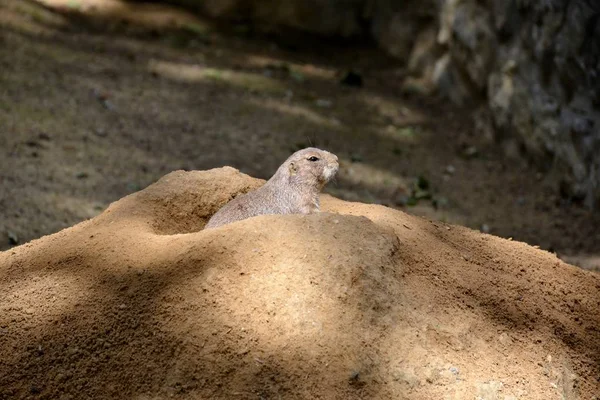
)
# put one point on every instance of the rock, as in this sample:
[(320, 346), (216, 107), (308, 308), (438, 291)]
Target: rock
[(449, 82), (424, 53), (473, 43)]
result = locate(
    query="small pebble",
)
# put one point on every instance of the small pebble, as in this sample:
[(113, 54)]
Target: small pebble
[(101, 132), (471, 152), (13, 239), (107, 104)]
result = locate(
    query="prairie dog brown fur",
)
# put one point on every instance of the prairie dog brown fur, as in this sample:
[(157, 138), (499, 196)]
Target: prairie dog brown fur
[(293, 189)]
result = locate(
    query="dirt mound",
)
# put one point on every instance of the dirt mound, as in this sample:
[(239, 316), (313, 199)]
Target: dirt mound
[(359, 301)]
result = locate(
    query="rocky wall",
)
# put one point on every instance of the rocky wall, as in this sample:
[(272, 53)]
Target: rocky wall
[(534, 65)]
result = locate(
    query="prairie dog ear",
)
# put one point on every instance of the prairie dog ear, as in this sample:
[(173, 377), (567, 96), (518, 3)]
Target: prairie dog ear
[(293, 168)]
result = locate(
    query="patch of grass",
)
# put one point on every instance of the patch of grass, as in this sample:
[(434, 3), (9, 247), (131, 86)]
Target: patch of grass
[(404, 133)]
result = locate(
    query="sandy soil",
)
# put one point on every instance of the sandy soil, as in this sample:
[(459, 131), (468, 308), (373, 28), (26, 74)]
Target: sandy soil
[(359, 301)]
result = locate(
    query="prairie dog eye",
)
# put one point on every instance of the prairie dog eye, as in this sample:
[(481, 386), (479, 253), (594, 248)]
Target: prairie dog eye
[(313, 158)]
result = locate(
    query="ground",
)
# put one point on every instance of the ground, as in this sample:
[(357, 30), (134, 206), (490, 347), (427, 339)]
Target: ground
[(360, 301)]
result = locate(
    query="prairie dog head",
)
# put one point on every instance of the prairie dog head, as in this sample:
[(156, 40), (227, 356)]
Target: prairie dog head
[(311, 167)]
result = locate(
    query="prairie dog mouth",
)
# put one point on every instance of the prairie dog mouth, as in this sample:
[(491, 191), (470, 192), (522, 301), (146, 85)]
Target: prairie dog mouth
[(330, 172)]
